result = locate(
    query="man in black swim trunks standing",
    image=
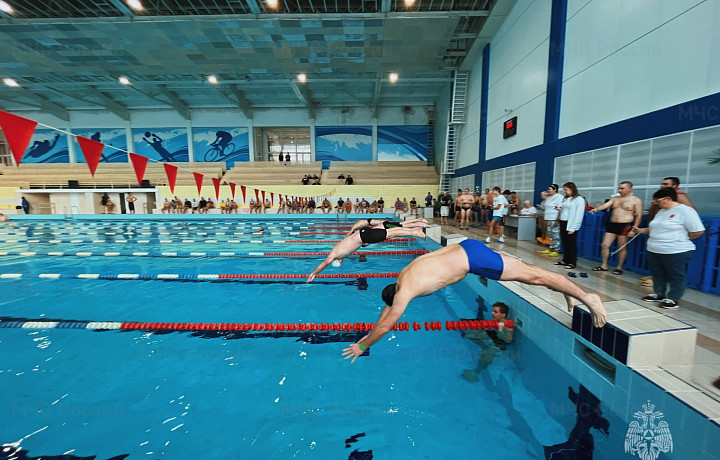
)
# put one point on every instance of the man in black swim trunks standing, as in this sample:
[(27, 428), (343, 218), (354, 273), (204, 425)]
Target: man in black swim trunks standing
[(446, 266), (363, 237)]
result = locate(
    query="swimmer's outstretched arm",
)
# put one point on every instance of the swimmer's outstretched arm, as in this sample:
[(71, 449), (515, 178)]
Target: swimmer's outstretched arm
[(321, 267), (388, 317)]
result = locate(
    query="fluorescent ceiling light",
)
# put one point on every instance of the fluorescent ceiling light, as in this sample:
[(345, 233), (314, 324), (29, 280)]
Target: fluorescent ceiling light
[(302, 78), (393, 77), (272, 3), (212, 79), (10, 82), (135, 4), (5, 7), (124, 81)]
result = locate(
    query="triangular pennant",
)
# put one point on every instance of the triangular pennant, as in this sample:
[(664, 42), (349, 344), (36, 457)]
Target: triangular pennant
[(198, 181), (139, 163), (263, 195), (272, 197), (92, 151), (216, 184), (18, 131), (171, 172), (242, 187), (232, 189), (257, 196)]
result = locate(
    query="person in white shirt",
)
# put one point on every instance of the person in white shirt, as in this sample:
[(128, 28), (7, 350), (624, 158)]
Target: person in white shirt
[(669, 247), (552, 218), (498, 218), (528, 209), (571, 217)]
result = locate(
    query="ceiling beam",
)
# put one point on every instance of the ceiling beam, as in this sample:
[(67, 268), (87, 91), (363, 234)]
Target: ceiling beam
[(112, 105), (385, 6), (175, 103), (242, 103), (120, 5), (45, 105), (253, 6), (303, 94), (376, 97)]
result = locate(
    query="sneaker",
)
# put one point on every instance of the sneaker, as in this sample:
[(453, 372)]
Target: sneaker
[(668, 304), (553, 254), (652, 298), (501, 240), (547, 251), (487, 240)]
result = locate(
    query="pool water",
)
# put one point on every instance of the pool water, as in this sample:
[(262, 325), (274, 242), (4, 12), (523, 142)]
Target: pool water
[(265, 395)]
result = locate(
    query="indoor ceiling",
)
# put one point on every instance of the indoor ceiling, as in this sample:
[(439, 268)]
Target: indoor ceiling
[(68, 54)]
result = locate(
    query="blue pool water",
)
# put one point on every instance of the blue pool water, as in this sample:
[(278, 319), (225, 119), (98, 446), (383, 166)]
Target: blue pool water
[(211, 395)]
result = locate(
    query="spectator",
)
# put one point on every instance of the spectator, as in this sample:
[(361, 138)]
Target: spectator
[(233, 207), (552, 218), (109, 206), (187, 206), (131, 203), (683, 197), (364, 205), (340, 205), (316, 181), (528, 209), (445, 201), (373, 207), (458, 207), (428, 200), (202, 206), (413, 207), (311, 206), (541, 219), (223, 207), (626, 214), (326, 206), (514, 202), (26, 204), (348, 206), (165, 206), (571, 217), (341, 176), (349, 180), (669, 248), (398, 206), (380, 204), (251, 206), (498, 221), (287, 158), (305, 180), (281, 158)]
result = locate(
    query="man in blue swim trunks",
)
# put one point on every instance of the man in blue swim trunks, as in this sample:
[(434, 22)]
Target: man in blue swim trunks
[(447, 266)]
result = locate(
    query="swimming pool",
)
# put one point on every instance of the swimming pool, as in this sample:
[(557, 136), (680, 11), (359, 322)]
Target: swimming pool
[(210, 394)]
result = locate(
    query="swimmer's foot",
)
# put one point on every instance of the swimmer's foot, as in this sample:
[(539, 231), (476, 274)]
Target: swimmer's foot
[(420, 233), (470, 376)]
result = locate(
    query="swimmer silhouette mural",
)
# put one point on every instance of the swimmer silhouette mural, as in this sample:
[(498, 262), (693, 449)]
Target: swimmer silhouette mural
[(111, 137), (47, 146), (343, 143), (221, 144), (162, 144), (402, 143)]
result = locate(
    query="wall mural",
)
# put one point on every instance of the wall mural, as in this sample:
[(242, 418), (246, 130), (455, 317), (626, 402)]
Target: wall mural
[(161, 144), (402, 143), (343, 143), (47, 146), (114, 137), (221, 144)]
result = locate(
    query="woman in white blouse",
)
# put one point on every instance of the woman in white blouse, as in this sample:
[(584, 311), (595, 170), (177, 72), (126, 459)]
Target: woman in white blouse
[(571, 217), (669, 247)]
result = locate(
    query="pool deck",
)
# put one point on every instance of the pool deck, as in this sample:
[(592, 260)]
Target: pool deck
[(696, 308)]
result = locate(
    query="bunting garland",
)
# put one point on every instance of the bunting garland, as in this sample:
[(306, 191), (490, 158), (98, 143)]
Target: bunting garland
[(18, 132)]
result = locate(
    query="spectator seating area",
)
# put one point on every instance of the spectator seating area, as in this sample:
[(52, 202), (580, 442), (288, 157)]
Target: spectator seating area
[(270, 173), (381, 173), (107, 175)]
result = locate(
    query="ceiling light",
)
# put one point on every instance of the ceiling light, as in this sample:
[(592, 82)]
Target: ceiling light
[(135, 4), (302, 78), (393, 77), (272, 3), (409, 2), (124, 81), (213, 79), (10, 82), (5, 7)]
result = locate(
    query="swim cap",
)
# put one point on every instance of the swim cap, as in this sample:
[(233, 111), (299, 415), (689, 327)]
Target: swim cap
[(388, 294), (336, 263)]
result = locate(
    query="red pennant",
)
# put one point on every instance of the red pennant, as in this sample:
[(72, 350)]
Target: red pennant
[(242, 187), (139, 163), (272, 197), (92, 151), (171, 172), (257, 197), (216, 184), (232, 189), (263, 195), (198, 181), (18, 131)]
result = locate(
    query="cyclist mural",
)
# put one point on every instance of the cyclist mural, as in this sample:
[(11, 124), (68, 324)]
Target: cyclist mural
[(221, 144)]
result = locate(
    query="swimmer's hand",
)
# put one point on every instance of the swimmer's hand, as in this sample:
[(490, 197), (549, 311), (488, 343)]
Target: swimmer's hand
[(311, 277), (353, 351)]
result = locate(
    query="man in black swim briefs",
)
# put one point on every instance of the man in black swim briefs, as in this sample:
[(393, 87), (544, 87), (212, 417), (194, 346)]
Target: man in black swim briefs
[(387, 223), (447, 266), (365, 236)]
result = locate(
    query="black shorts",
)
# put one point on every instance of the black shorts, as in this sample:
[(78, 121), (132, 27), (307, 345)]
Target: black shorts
[(618, 228), (372, 235)]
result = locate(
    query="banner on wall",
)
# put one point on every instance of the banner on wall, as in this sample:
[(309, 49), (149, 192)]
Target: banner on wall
[(221, 144), (402, 143), (343, 143), (162, 144), (112, 137), (47, 146)]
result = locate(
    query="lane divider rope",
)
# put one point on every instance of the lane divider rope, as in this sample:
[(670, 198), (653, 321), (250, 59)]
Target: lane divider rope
[(202, 254), (462, 325), (211, 241), (180, 276)]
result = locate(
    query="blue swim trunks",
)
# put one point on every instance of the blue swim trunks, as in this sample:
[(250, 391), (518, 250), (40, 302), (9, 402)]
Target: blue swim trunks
[(483, 260)]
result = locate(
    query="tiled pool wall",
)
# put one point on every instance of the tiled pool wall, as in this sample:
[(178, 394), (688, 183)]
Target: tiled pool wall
[(624, 391)]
